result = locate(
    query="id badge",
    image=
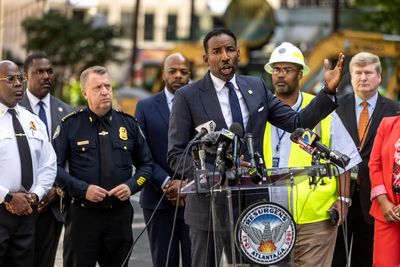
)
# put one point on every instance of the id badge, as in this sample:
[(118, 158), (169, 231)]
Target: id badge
[(275, 162)]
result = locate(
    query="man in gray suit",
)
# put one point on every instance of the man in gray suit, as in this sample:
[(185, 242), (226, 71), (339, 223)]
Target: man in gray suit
[(37, 98), (225, 98)]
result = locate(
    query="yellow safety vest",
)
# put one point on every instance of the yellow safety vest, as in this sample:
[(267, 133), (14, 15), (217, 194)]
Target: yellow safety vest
[(310, 204)]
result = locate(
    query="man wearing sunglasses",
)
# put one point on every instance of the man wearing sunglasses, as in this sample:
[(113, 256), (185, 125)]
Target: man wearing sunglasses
[(27, 169), (37, 99)]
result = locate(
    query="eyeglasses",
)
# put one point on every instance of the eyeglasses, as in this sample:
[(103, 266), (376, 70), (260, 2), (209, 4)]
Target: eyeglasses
[(13, 78), (285, 71)]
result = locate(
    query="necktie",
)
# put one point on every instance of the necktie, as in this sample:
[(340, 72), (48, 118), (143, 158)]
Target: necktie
[(363, 123), (172, 103), (234, 104), (42, 115), (105, 155), (24, 152)]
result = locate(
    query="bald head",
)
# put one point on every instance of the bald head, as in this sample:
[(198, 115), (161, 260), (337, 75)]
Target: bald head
[(11, 90), (176, 72), (6, 64)]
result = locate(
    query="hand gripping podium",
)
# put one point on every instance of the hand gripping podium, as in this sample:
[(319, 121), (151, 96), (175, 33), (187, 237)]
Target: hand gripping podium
[(252, 223)]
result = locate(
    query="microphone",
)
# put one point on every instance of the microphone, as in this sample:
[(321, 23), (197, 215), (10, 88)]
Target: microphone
[(202, 157), (237, 129), (203, 129), (253, 172), (309, 141)]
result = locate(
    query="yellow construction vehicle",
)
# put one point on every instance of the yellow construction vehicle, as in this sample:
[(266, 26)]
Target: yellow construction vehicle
[(387, 47)]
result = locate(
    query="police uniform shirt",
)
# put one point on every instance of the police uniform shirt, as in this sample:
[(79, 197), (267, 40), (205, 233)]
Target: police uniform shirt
[(77, 141), (42, 153)]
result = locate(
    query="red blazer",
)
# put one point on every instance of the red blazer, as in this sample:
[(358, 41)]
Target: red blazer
[(381, 161)]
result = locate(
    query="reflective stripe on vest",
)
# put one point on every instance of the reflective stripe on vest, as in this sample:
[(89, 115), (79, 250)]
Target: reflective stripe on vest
[(310, 203)]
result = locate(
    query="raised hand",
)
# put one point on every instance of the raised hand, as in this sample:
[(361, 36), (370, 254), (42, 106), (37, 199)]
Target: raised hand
[(333, 76)]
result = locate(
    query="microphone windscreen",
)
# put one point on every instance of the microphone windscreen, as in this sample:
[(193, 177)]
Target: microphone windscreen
[(237, 129), (296, 135)]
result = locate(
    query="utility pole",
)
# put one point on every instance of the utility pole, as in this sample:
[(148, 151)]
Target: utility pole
[(335, 23), (192, 29), (134, 41)]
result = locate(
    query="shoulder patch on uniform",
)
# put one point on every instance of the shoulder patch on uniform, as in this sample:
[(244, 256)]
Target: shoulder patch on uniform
[(126, 114), (70, 115)]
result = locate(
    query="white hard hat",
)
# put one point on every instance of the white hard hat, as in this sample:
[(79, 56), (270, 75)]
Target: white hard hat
[(286, 52)]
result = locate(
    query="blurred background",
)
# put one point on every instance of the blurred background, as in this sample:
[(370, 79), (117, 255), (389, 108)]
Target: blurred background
[(131, 37)]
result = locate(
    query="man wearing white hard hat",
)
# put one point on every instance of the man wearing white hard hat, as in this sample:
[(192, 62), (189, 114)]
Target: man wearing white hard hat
[(316, 234)]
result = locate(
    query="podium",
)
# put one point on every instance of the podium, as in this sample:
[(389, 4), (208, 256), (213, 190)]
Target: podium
[(252, 223)]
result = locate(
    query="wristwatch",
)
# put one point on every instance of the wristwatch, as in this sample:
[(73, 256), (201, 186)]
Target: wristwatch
[(325, 89), (8, 198), (346, 200)]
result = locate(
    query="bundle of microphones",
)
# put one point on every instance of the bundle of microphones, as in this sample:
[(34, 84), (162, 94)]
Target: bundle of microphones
[(225, 145)]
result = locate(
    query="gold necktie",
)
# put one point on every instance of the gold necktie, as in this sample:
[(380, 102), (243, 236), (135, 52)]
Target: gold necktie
[(363, 123)]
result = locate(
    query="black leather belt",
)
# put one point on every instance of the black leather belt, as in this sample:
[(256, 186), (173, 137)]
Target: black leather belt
[(107, 204)]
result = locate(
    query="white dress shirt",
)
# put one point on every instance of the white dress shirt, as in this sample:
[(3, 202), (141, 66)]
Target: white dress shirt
[(170, 102), (170, 98), (44, 163), (223, 98), (34, 101)]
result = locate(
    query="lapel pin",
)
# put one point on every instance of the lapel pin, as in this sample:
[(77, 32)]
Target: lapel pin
[(60, 109), (32, 125), (250, 91)]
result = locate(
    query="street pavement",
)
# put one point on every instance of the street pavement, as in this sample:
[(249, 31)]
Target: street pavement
[(141, 255)]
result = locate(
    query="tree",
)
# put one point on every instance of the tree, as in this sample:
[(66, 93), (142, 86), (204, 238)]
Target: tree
[(72, 44), (382, 15)]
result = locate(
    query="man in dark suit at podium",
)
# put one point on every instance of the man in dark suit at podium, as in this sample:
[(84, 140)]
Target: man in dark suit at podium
[(225, 98), (153, 117), (37, 98)]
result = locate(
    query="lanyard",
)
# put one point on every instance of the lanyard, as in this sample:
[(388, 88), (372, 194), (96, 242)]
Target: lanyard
[(280, 136)]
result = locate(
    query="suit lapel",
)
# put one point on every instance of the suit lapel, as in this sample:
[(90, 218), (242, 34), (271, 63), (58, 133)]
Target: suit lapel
[(376, 118), (210, 102), (347, 114), (25, 102), (56, 113), (162, 107), (251, 100)]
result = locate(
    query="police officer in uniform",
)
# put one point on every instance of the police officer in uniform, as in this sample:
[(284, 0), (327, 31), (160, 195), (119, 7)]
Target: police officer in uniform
[(100, 145), (27, 170)]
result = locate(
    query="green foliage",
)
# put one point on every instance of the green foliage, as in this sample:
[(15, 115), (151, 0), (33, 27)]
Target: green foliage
[(381, 15), (72, 93), (72, 44)]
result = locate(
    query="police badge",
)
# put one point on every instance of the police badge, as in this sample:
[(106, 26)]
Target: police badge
[(123, 133)]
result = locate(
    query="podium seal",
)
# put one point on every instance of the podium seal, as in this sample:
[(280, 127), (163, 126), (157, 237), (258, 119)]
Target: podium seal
[(265, 233)]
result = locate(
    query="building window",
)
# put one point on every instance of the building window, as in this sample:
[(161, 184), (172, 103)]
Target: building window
[(78, 14), (171, 27), (126, 24), (149, 27)]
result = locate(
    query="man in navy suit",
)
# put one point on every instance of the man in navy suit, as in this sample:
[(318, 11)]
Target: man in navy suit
[(153, 117), (245, 100), (39, 72)]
